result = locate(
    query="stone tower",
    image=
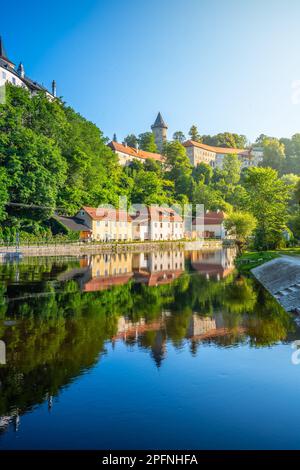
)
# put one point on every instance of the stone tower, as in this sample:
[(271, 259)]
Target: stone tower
[(159, 129)]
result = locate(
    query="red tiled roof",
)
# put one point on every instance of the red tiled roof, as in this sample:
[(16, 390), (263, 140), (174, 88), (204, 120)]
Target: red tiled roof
[(137, 153), (156, 213), (219, 150), (102, 283), (212, 218), (103, 213)]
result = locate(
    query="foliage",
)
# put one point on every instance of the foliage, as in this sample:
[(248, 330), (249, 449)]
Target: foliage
[(267, 198), (147, 142), (194, 134)]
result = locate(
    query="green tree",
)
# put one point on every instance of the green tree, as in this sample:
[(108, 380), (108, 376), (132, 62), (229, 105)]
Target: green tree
[(231, 169), (179, 136), (274, 155), (4, 197), (131, 140), (267, 198), (194, 134), (147, 142), (241, 225), (178, 167), (203, 173)]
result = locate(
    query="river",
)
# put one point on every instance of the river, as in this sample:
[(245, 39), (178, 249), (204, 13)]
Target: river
[(165, 350)]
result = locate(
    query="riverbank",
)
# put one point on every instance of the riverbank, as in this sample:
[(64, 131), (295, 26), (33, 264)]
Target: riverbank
[(77, 249), (252, 259)]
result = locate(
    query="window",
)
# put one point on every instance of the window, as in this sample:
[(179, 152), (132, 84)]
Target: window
[(13, 80), (4, 75)]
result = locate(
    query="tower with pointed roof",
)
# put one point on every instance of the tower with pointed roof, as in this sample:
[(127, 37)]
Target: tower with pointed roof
[(159, 129)]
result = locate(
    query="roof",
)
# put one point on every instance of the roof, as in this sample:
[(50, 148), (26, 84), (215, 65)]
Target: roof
[(72, 223), (103, 213), (212, 218), (105, 282), (137, 153), (157, 213), (3, 54), (159, 122), (8, 65), (219, 150)]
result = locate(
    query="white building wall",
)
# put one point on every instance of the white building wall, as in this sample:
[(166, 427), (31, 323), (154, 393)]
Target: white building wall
[(7, 76)]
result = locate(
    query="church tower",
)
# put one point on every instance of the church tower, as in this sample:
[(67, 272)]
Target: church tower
[(159, 129)]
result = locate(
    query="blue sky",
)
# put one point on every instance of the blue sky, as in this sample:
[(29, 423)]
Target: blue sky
[(225, 65)]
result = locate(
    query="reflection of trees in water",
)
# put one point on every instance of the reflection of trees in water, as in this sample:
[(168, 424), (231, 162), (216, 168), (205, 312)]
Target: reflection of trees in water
[(58, 336)]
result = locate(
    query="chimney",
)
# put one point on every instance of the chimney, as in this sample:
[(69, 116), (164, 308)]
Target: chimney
[(54, 88), (21, 70)]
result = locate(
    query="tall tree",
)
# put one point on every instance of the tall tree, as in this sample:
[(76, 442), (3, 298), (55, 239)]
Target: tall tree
[(131, 140), (179, 136), (178, 166), (267, 198), (147, 142), (194, 134), (231, 169), (274, 155)]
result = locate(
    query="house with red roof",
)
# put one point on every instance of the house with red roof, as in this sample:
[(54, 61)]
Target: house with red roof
[(106, 224), (157, 223), (127, 154), (212, 226)]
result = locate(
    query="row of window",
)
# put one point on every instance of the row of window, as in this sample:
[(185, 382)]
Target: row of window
[(106, 273), (113, 223), (169, 266), (169, 225), (13, 79)]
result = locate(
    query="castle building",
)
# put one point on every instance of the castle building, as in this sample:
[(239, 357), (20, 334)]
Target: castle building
[(127, 154), (159, 129), (214, 156), (10, 74)]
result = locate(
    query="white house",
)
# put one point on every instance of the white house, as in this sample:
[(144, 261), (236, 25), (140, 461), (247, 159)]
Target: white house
[(10, 74), (157, 223)]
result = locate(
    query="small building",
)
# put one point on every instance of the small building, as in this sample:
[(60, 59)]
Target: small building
[(128, 154), (107, 224), (213, 226), (157, 223)]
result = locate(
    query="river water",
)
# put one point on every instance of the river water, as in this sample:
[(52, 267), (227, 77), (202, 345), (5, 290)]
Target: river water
[(170, 350)]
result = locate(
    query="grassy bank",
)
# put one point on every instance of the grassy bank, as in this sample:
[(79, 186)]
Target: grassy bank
[(251, 259)]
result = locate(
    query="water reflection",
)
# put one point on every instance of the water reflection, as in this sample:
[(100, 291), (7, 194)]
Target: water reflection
[(58, 315)]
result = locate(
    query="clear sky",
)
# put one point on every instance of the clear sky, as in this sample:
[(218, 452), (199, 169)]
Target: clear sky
[(225, 65)]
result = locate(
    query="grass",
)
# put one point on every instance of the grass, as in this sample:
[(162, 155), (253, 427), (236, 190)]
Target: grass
[(251, 259)]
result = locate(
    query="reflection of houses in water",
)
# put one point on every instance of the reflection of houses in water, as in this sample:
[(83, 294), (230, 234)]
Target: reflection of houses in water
[(159, 267), (106, 270), (200, 325), (6, 421), (217, 263), (199, 329), (98, 272)]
